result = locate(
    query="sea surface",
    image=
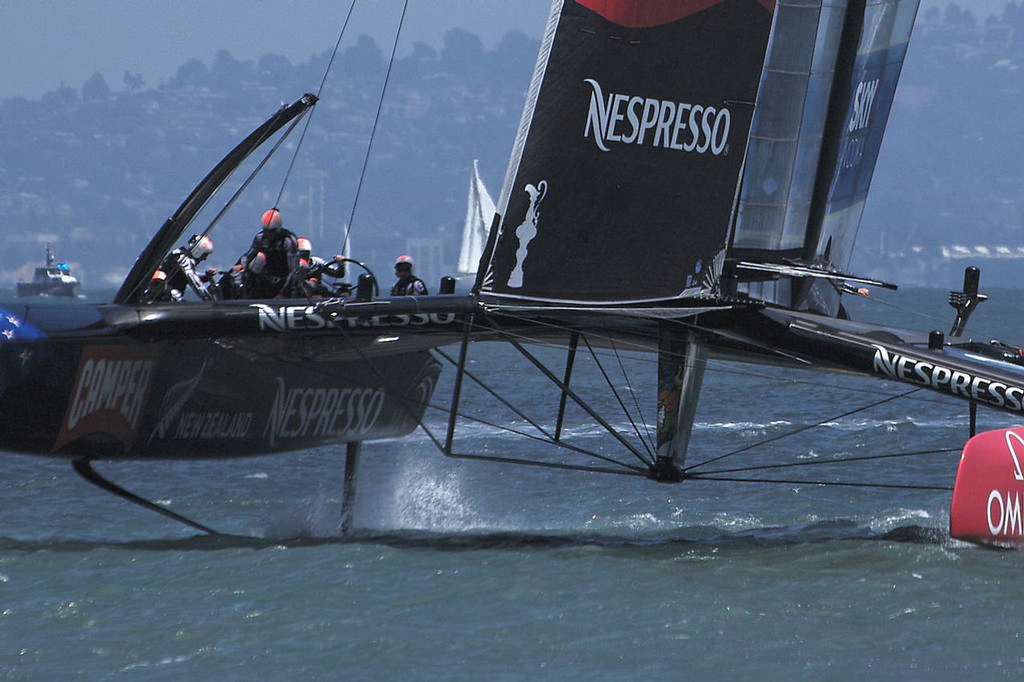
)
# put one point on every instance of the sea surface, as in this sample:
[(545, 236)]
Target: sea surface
[(474, 570)]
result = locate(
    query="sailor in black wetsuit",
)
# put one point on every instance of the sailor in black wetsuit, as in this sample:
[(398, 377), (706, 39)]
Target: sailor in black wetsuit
[(408, 284), (308, 278), (177, 272), (281, 251)]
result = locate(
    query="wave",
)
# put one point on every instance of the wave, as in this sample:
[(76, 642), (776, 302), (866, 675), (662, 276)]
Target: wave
[(838, 530), (475, 431)]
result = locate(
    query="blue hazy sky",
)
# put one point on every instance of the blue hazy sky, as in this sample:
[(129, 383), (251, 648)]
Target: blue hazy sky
[(47, 42)]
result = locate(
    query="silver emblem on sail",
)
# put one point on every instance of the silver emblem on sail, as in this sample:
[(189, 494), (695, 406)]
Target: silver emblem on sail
[(527, 231)]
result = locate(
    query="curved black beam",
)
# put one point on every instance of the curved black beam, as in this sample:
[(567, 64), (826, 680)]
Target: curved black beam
[(165, 238), (83, 467)]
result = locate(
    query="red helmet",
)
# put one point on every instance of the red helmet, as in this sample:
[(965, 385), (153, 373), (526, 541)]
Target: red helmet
[(272, 219)]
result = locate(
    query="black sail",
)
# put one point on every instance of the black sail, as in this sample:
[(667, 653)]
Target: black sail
[(622, 184)]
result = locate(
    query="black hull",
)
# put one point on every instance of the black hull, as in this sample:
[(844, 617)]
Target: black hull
[(109, 382), (242, 378)]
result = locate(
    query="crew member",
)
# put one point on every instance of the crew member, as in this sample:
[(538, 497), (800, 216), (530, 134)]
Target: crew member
[(177, 272), (280, 249), (408, 284), (308, 279)]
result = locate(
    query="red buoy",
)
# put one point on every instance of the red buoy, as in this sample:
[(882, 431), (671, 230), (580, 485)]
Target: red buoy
[(989, 488)]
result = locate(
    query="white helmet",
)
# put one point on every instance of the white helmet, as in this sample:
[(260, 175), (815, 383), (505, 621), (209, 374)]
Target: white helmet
[(405, 260), (200, 246)]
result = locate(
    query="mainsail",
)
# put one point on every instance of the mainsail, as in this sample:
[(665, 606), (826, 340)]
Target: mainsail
[(479, 214), (622, 183)]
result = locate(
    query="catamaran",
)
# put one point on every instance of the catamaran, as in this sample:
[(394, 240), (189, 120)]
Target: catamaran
[(717, 152)]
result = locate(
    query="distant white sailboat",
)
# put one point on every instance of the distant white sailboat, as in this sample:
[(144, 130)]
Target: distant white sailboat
[(479, 213)]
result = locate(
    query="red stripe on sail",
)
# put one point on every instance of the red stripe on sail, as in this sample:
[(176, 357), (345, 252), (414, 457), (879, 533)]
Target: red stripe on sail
[(646, 13)]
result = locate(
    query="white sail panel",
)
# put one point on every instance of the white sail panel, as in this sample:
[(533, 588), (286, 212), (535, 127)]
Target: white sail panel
[(479, 214)]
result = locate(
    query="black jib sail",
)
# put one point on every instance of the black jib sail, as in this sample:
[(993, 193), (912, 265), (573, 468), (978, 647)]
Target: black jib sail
[(623, 180)]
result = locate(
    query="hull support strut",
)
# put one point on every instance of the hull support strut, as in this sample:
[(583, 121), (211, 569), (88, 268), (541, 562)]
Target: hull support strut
[(348, 499), (682, 357)]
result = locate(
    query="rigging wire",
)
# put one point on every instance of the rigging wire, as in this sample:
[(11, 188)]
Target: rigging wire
[(252, 176), (548, 438), (838, 484), (692, 473), (646, 358), (376, 120), (801, 429), (494, 394), (302, 136), (972, 329), (622, 404), (819, 462), (636, 401), (626, 468)]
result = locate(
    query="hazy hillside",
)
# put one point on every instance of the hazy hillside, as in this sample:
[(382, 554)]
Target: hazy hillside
[(950, 172), (98, 168)]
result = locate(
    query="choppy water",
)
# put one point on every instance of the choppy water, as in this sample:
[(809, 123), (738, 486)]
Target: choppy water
[(464, 570)]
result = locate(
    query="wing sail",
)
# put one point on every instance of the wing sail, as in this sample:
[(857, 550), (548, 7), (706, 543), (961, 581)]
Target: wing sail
[(823, 103), (623, 179), (870, 90)]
